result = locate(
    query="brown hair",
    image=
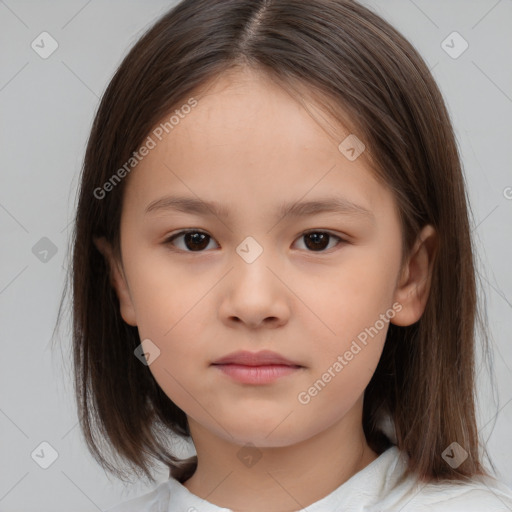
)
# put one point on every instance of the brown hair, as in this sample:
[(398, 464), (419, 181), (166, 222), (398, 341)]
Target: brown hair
[(348, 58)]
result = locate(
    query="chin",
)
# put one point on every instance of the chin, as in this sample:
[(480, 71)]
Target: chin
[(264, 433)]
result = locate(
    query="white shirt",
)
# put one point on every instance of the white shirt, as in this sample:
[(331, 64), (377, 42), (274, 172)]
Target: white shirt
[(369, 490)]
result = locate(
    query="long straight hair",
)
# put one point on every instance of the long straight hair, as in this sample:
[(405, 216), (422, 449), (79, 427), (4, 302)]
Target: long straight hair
[(364, 73)]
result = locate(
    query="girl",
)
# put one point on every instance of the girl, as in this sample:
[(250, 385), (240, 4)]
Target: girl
[(272, 257)]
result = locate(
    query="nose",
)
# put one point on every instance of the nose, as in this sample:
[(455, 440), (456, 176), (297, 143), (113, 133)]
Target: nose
[(254, 296)]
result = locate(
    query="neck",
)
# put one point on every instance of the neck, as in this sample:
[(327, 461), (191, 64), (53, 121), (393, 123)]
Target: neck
[(278, 479)]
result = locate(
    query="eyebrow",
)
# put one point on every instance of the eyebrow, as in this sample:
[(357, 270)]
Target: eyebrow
[(330, 204)]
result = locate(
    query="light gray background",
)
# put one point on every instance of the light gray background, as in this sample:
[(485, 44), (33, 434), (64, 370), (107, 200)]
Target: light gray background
[(47, 107)]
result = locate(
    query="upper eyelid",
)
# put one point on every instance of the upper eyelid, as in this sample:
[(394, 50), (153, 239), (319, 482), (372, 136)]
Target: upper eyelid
[(307, 231)]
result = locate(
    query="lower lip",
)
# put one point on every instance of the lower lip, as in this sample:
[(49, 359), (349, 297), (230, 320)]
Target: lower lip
[(256, 374)]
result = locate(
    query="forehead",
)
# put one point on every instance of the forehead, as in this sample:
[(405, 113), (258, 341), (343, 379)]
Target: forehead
[(250, 137), (249, 109)]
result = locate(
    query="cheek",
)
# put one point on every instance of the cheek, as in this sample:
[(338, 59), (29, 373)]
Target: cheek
[(356, 304), (344, 364), (173, 308), (165, 294), (352, 296), (176, 326)]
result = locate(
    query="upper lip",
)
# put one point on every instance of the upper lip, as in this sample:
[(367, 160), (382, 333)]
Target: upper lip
[(263, 358)]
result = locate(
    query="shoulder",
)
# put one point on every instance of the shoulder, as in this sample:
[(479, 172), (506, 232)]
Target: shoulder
[(154, 501), (400, 490), (487, 495)]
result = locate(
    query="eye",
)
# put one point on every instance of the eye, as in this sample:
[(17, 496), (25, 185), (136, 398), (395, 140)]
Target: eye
[(198, 241), (318, 241), (193, 240)]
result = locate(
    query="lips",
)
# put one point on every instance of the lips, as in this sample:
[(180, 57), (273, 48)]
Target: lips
[(262, 358), (256, 368)]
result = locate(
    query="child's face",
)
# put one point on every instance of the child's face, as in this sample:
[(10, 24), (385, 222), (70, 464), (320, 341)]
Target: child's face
[(251, 148)]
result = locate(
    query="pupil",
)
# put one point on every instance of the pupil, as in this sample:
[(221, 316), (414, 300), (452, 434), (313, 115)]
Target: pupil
[(198, 241), (319, 240)]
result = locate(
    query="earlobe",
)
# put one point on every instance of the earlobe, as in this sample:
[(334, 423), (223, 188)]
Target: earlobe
[(413, 286), (117, 280)]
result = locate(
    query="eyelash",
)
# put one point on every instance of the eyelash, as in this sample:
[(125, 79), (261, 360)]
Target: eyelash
[(168, 241)]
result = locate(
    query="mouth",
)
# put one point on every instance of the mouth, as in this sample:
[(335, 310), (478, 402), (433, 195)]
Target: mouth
[(256, 368)]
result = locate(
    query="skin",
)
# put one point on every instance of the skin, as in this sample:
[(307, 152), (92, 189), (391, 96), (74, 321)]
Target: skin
[(250, 146)]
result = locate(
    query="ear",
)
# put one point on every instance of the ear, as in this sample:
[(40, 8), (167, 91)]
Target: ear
[(413, 285), (117, 280)]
